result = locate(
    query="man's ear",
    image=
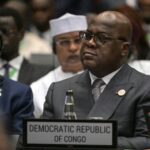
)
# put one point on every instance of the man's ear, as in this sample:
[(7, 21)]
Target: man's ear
[(125, 49)]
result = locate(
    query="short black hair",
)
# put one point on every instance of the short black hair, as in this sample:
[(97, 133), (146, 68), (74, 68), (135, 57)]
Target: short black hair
[(4, 12)]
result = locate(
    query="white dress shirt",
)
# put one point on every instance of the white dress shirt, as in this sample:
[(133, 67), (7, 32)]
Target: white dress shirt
[(15, 65), (40, 87)]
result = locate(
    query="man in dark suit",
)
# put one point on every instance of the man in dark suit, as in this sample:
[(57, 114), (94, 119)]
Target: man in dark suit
[(16, 103), (124, 91), (12, 32)]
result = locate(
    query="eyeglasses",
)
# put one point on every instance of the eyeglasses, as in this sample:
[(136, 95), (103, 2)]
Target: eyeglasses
[(68, 42), (100, 38)]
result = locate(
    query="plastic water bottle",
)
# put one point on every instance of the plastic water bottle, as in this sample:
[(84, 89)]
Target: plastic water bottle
[(69, 112)]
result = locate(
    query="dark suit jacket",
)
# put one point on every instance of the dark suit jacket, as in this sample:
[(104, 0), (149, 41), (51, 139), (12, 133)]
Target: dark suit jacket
[(126, 109), (31, 72), (16, 103)]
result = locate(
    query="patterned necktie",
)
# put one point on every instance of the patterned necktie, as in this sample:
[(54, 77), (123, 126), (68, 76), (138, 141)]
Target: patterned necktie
[(96, 88), (6, 67)]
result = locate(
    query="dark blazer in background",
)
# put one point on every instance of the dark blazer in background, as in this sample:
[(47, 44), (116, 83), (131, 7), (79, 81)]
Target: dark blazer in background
[(31, 72), (16, 103), (126, 109)]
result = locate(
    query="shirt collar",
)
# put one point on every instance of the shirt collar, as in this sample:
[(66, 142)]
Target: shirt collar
[(106, 78), (16, 62)]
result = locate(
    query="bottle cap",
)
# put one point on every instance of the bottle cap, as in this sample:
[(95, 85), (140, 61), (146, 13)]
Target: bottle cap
[(69, 92)]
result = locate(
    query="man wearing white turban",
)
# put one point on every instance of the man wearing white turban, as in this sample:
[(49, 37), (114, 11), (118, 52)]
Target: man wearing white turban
[(66, 45)]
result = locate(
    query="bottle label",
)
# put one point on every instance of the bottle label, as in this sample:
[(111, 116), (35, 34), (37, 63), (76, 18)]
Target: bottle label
[(69, 107), (69, 112)]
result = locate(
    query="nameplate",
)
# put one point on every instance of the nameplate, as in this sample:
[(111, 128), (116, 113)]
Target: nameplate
[(82, 133)]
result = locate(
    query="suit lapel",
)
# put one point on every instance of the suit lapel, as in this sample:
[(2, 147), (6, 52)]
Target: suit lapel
[(114, 93), (109, 100), (25, 76), (82, 95)]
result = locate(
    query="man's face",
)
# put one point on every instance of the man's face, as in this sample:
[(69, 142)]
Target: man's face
[(103, 53), (42, 12), (68, 51), (10, 36)]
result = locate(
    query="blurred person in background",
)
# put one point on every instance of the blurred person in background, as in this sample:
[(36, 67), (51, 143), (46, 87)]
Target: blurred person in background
[(66, 46), (144, 10), (13, 65), (31, 42), (139, 50), (41, 12), (16, 103)]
